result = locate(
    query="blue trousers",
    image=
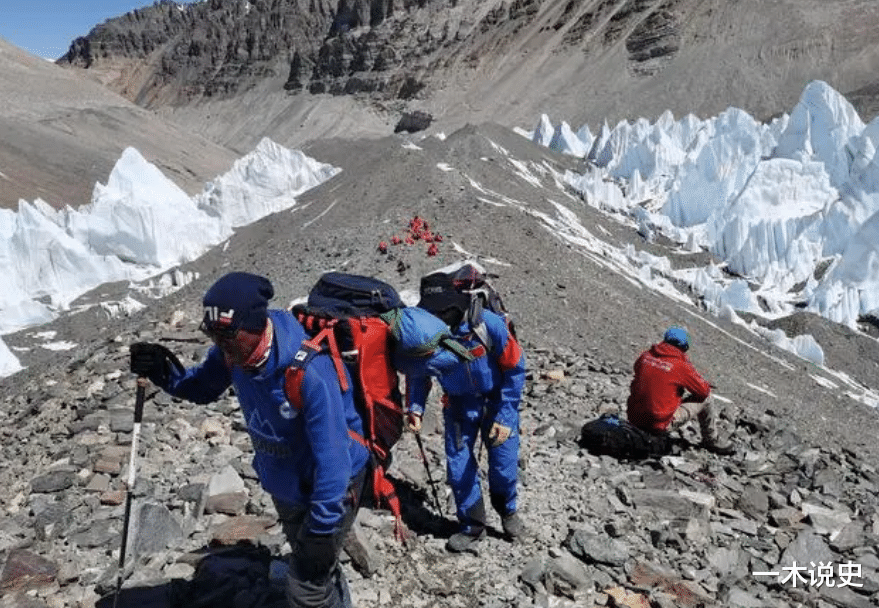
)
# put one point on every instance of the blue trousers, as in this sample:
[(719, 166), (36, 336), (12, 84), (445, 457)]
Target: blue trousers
[(306, 589), (465, 420)]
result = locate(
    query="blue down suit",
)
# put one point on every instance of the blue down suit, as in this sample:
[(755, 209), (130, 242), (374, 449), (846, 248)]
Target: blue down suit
[(478, 393), (305, 458), (302, 457)]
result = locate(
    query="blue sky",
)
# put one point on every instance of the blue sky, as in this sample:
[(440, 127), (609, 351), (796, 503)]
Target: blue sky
[(47, 27)]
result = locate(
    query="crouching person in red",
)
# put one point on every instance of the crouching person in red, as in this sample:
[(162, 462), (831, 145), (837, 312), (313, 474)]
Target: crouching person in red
[(667, 392), (306, 459)]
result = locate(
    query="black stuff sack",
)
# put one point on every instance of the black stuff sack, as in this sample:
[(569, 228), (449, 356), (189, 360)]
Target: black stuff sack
[(610, 435)]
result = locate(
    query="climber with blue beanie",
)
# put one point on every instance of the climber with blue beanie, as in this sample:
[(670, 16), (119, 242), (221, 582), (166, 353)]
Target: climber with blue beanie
[(306, 459), (667, 392)]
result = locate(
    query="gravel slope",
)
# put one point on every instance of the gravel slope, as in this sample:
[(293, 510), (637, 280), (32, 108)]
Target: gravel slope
[(705, 522), (563, 297)]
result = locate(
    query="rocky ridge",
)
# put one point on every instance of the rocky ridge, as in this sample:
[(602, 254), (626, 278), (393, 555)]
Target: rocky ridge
[(172, 53), (467, 60)]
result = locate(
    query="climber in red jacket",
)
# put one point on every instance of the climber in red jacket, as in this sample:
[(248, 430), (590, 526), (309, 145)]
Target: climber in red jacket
[(667, 392)]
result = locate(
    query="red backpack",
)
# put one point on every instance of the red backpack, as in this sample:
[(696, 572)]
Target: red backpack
[(359, 321)]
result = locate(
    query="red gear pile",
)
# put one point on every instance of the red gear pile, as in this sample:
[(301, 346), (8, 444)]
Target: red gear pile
[(418, 230)]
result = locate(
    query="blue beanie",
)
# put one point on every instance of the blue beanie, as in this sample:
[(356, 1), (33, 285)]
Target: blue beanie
[(238, 300), (678, 337)]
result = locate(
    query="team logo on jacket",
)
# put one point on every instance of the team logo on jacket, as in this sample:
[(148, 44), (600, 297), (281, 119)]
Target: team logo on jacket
[(665, 366), (261, 427), (286, 411)]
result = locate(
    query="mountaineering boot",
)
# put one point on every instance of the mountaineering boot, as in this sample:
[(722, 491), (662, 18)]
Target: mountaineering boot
[(472, 529), (725, 448), (512, 525), (466, 539), (711, 440), (510, 520)]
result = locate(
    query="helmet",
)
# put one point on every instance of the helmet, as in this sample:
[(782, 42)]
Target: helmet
[(677, 336), (442, 294)]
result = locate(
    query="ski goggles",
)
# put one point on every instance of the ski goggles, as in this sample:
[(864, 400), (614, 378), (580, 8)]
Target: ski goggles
[(218, 332)]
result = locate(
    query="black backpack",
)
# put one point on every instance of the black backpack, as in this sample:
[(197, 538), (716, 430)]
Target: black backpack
[(610, 435), (462, 291)]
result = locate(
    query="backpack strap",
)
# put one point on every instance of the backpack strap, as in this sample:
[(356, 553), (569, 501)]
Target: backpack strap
[(294, 375), (481, 333), (382, 488), (510, 356), (459, 349), (441, 339), (475, 319)]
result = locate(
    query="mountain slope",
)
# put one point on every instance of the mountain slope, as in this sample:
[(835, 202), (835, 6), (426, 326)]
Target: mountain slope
[(61, 134), (493, 194), (477, 61), (802, 487)]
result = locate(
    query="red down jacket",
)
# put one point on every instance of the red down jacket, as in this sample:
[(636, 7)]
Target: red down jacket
[(662, 374)]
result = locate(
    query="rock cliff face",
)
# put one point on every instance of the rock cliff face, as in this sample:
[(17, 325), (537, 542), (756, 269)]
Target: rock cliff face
[(219, 48), (172, 53), (383, 47), (479, 60)]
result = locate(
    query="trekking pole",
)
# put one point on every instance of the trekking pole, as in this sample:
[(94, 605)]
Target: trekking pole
[(429, 476), (138, 416)]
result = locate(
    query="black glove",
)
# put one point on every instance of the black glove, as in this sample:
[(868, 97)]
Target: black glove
[(315, 556), (155, 362)]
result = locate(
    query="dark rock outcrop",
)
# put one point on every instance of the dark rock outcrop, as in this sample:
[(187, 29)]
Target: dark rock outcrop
[(412, 122), (203, 49)]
